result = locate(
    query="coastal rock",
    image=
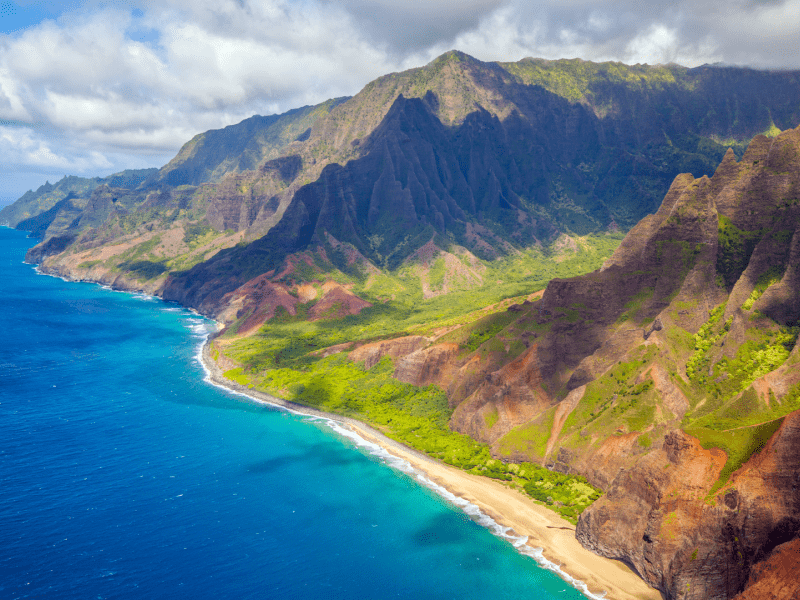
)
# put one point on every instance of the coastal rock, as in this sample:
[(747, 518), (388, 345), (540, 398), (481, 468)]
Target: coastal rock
[(776, 578), (654, 516), (432, 365), (372, 353)]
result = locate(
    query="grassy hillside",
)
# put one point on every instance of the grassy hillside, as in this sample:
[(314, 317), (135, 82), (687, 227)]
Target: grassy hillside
[(287, 355)]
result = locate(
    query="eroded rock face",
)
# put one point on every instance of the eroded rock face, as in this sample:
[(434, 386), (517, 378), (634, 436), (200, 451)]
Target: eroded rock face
[(655, 515), (336, 302), (777, 577), (707, 248), (433, 365), (372, 353), (514, 391), (256, 302)]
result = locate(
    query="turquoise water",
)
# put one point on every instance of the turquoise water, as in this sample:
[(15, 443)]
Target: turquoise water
[(123, 474)]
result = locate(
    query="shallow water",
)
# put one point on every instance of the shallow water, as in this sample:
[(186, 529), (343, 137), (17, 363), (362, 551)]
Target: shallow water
[(123, 474)]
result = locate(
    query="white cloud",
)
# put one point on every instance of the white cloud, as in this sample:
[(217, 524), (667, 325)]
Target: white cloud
[(661, 45), (23, 147), (11, 104), (656, 46)]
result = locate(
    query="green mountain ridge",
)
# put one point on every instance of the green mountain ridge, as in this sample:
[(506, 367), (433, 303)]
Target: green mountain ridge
[(585, 147), (33, 203), (574, 198), (241, 147)]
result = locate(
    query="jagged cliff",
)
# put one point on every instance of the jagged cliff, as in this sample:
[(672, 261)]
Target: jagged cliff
[(492, 157), (669, 378)]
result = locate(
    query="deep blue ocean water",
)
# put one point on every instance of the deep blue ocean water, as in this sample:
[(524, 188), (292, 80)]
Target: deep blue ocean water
[(124, 475)]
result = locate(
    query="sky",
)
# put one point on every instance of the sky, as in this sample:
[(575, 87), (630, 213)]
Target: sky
[(91, 87)]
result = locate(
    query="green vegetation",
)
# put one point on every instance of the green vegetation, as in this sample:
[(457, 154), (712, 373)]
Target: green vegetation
[(145, 269), (566, 494), (482, 330), (436, 274), (704, 339), (754, 358), (771, 131), (530, 439), (633, 307), (196, 233), (140, 260), (88, 264), (281, 357), (490, 419), (399, 308), (727, 412), (734, 250), (738, 444), (575, 79), (614, 400), (412, 415), (722, 382), (137, 220), (415, 416), (772, 276)]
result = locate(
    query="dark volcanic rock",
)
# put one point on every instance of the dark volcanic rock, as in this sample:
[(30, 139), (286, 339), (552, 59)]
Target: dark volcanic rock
[(777, 577)]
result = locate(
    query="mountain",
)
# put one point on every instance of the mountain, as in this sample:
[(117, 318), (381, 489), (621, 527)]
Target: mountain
[(32, 204), (492, 157), (241, 147), (668, 378)]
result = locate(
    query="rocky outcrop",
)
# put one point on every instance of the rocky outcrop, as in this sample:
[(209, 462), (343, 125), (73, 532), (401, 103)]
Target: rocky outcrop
[(256, 302), (656, 515), (433, 365), (239, 200), (625, 337), (397, 348), (776, 578), (514, 391), (336, 302)]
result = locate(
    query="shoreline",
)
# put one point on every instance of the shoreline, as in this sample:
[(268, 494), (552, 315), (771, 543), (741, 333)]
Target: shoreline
[(533, 529)]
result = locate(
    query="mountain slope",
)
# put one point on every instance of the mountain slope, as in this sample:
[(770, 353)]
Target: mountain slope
[(662, 375), (521, 163), (669, 378), (241, 147), (32, 204), (526, 151)]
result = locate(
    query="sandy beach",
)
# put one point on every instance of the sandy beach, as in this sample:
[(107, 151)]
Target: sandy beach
[(544, 529)]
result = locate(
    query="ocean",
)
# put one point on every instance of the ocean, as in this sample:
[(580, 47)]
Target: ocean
[(125, 475)]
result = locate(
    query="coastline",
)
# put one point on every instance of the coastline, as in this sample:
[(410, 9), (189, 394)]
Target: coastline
[(533, 529)]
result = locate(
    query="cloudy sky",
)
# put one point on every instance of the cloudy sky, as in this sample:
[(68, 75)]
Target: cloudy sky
[(89, 87)]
